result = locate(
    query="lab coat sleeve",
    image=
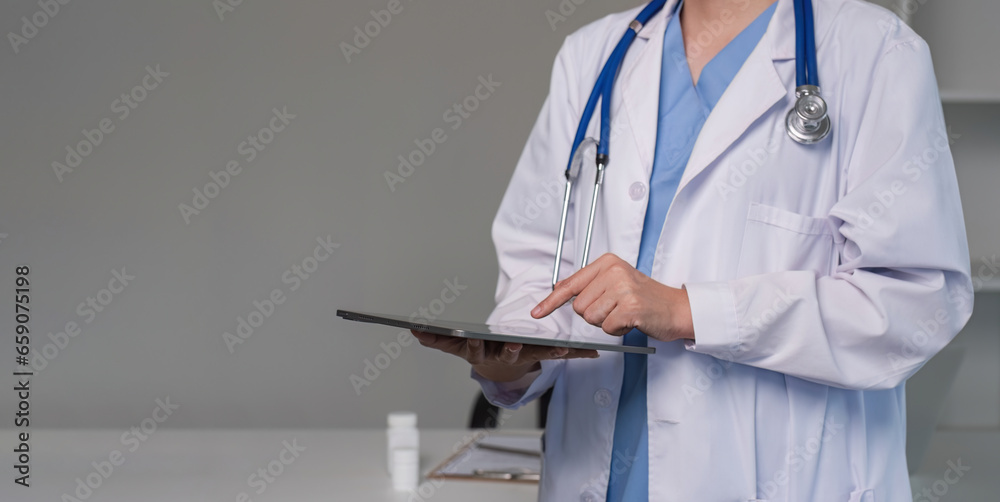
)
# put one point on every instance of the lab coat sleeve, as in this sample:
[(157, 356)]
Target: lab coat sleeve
[(526, 228), (902, 289)]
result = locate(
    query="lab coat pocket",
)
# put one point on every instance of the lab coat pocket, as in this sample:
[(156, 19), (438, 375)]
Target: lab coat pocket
[(778, 240)]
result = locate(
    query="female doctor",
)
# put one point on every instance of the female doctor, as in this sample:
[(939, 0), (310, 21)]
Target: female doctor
[(789, 287)]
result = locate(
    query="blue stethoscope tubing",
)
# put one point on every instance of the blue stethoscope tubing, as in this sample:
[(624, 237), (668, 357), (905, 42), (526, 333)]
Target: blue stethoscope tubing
[(805, 45), (602, 89), (806, 123), (605, 82)]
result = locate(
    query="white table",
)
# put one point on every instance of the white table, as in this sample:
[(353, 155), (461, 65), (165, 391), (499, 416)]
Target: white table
[(339, 465), (214, 465)]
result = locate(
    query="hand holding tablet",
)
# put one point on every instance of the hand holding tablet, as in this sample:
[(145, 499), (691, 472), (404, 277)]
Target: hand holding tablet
[(495, 352), (499, 361)]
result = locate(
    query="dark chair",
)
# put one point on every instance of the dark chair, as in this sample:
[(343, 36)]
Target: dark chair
[(485, 415)]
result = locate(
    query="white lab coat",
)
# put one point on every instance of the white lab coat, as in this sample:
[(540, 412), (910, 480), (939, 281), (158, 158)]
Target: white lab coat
[(820, 277)]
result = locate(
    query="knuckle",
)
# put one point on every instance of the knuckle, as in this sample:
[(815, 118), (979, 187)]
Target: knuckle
[(630, 302), (593, 317), (623, 291)]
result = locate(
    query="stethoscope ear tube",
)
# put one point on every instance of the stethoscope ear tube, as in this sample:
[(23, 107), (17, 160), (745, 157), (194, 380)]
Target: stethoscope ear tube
[(562, 229), (572, 173), (602, 89)]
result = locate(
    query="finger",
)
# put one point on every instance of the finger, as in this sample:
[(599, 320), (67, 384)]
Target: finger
[(475, 351), (598, 311), (582, 354), (425, 339), (595, 299), (449, 344), (544, 353), (590, 294), (535, 353), (566, 289), (510, 353), (617, 323)]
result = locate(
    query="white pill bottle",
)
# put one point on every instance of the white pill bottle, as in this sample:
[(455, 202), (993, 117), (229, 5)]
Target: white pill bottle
[(401, 434)]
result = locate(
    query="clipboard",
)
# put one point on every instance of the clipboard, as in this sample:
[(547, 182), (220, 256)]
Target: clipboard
[(489, 456)]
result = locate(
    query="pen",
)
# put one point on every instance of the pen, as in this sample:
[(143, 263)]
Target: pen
[(508, 475)]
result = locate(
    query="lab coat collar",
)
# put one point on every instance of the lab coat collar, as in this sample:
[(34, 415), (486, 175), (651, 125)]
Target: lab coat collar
[(756, 88), (782, 25), (656, 23)]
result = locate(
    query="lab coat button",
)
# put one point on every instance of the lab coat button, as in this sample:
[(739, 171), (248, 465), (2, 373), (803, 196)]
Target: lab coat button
[(637, 191), (602, 398)]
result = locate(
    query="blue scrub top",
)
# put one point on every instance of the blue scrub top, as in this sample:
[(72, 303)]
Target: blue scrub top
[(684, 107)]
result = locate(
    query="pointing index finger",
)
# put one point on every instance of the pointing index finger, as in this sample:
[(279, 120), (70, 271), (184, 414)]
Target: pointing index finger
[(566, 289)]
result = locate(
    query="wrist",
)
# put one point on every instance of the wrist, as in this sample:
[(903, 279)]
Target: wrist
[(683, 320)]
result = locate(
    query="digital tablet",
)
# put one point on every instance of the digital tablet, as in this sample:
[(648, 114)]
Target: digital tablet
[(528, 334)]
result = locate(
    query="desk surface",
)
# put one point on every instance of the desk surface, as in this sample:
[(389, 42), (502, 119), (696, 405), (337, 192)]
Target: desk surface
[(338, 465), (217, 465)]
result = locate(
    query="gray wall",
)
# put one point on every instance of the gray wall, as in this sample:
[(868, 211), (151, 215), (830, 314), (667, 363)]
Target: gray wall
[(323, 175)]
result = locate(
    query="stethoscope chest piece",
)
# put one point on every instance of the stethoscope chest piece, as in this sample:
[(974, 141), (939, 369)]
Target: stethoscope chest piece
[(808, 122)]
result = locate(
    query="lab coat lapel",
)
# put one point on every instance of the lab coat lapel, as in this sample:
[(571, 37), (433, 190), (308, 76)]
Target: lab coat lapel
[(754, 90), (640, 90)]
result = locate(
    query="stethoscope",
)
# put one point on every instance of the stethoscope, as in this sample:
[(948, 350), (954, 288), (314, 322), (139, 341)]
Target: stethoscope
[(806, 123)]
